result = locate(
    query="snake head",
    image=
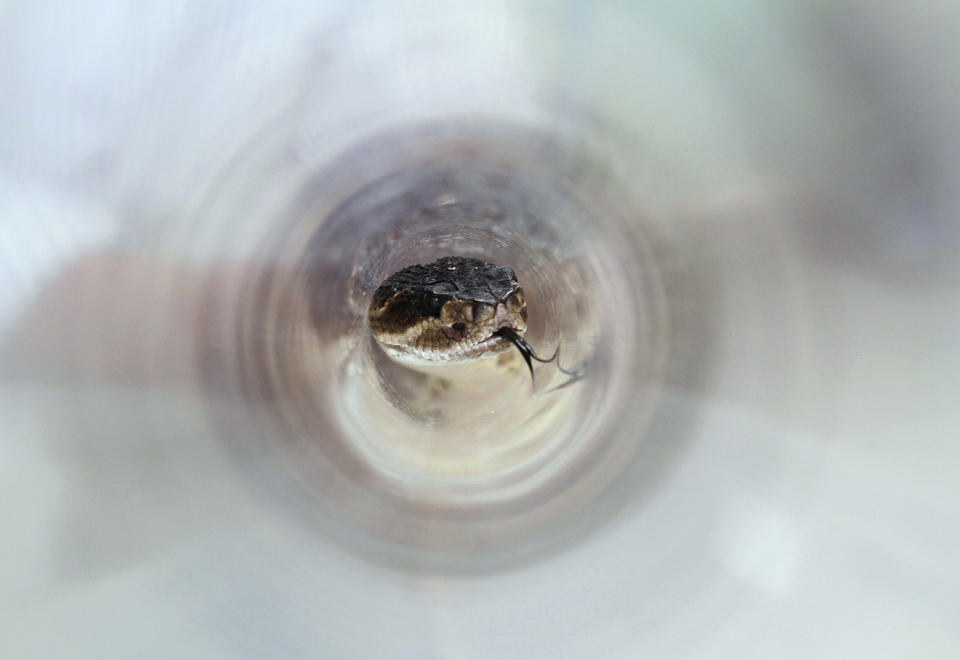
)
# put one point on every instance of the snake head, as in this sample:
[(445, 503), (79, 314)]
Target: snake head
[(448, 311)]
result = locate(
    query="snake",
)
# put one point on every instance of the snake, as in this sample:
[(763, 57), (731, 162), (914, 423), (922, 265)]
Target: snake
[(453, 310)]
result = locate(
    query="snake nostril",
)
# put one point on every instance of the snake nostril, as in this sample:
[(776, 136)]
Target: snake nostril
[(459, 327)]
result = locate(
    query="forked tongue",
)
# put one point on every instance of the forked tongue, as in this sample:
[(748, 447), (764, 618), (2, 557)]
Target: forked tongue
[(525, 349)]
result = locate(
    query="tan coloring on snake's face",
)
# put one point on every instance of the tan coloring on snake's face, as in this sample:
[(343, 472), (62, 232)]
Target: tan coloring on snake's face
[(449, 311)]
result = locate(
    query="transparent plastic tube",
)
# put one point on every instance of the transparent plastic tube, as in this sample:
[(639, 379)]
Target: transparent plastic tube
[(736, 221)]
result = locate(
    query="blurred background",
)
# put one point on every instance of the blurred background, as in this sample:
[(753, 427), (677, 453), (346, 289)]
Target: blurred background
[(752, 207)]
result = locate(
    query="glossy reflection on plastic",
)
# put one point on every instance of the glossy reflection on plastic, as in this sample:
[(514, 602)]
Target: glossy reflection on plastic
[(446, 471)]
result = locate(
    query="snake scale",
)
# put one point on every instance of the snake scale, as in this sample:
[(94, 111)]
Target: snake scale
[(454, 310)]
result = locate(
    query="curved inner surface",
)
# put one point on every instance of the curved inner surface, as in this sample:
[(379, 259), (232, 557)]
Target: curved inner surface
[(474, 447)]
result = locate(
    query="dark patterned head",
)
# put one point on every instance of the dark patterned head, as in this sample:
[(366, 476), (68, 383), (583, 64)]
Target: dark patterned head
[(447, 311)]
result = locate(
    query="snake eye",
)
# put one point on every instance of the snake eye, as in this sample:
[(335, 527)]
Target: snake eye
[(432, 303)]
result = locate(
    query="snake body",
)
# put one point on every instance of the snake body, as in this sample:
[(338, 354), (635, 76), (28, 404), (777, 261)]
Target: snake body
[(454, 310)]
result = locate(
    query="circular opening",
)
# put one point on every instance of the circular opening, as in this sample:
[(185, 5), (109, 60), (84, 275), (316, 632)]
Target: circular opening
[(428, 463)]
